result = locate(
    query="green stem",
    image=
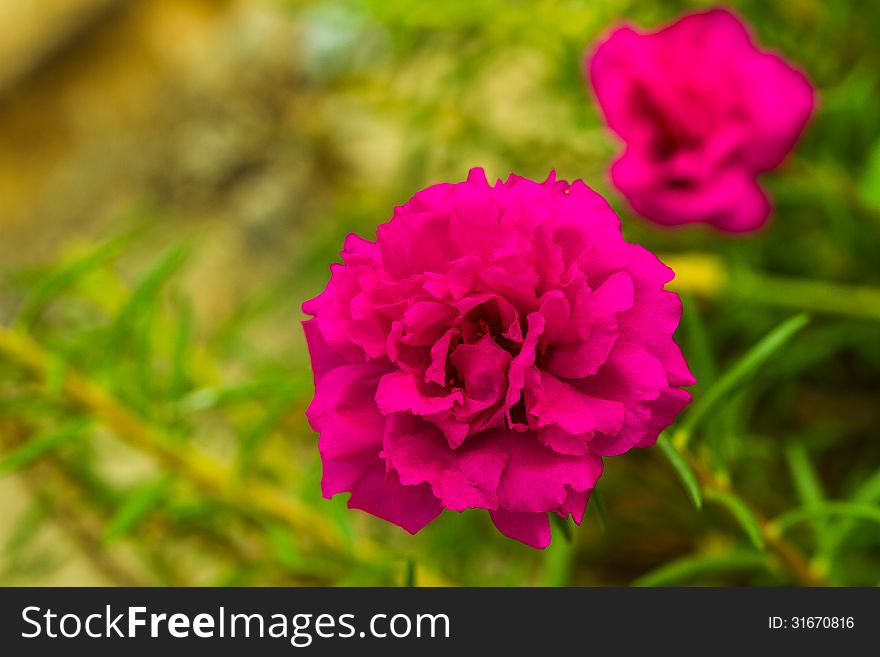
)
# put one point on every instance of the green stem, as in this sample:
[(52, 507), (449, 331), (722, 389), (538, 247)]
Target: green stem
[(708, 276), (817, 296), (760, 530)]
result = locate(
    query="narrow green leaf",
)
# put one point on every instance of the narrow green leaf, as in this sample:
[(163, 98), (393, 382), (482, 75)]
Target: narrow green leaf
[(145, 293), (180, 349), (284, 548), (803, 475), (204, 399), (736, 376), (741, 513), (702, 363), (598, 503), (409, 576), (142, 339), (36, 448), (136, 506), (689, 569), (253, 438), (288, 555), (558, 559), (55, 374), (808, 488), (696, 339), (682, 469), (56, 283), (867, 493), (869, 184), (854, 510), (563, 526)]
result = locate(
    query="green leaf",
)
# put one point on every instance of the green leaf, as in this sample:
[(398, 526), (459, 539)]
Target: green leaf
[(289, 556), (869, 184), (35, 448), (689, 569), (56, 371), (205, 399), (682, 469), (854, 510), (562, 525), (135, 507), (409, 576), (284, 548), (808, 488), (598, 502), (696, 339), (56, 283), (144, 294), (252, 439), (867, 493), (558, 557), (741, 513), (696, 345), (737, 375), (180, 349)]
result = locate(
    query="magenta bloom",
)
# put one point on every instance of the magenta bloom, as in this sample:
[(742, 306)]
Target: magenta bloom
[(486, 351), (702, 112)]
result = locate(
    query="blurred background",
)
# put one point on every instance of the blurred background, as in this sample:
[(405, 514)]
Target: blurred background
[(176, 177)]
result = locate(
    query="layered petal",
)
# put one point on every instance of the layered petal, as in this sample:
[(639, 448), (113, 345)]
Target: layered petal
[(487, 351)]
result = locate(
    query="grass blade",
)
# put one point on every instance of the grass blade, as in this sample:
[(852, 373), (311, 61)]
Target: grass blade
[(409, 576), (867, 493), (137, 506), (180, 349), (854, 510), (741, 513), (599, 504), (696, 340), (563, 526), (689, 569), (144, 294), (54, 284), (34, 449), (808, 488), (682, 469), (252, 439), (734, 377)]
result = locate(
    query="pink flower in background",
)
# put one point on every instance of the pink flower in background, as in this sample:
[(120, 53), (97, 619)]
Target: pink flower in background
[(486, 351), (702, 112)]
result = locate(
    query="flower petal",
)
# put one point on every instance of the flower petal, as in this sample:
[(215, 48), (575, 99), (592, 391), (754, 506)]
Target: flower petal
[(533, 529)]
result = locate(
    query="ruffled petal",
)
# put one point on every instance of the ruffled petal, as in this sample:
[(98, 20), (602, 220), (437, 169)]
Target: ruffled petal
[(349, 424), (536, 477), (381, 494), (462, 478), (533, 529)]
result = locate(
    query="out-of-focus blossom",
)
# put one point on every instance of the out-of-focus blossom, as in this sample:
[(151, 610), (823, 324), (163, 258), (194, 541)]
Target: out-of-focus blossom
[(486, 351), (702, 111)]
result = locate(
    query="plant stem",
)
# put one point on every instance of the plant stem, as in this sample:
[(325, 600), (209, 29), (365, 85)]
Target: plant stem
[(708, 276), (818, 296), (796, 562)]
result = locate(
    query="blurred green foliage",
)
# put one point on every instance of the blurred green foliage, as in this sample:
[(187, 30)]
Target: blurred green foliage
[(168, 443)]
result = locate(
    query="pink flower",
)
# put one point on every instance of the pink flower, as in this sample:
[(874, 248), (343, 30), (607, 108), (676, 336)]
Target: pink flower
[(702, 112), (486, 351)]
